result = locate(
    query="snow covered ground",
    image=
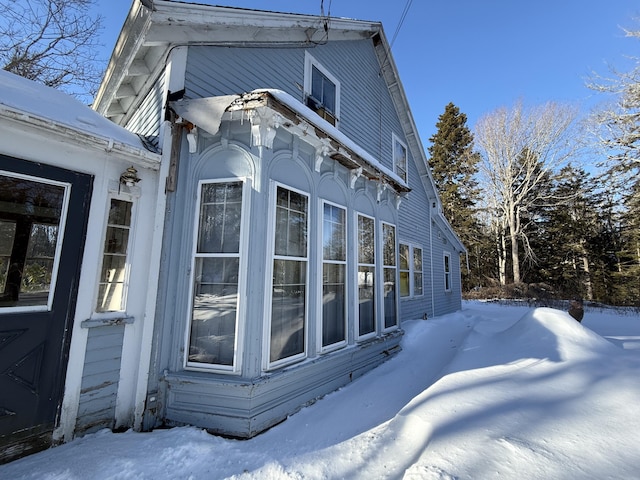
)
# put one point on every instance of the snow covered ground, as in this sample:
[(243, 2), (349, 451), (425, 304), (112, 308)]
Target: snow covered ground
[(507, 392)]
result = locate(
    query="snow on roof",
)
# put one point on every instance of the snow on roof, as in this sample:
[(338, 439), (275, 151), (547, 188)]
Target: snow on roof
[(56, 107), (317, 121)]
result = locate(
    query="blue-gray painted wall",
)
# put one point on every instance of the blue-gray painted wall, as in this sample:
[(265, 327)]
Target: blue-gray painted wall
[(100, 378), (253, 400)]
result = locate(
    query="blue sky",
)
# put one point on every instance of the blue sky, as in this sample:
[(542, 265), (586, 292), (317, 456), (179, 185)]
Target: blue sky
[(480, 55)]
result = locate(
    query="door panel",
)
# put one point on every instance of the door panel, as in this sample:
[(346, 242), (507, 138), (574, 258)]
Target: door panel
[(43, 221)]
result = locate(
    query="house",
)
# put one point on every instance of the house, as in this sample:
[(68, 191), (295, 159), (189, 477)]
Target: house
[(78, 207), (302, 222), (267, 255)]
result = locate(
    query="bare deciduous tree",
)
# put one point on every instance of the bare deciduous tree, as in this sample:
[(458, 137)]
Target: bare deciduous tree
[(54, 42), (521, 148), (617, 126)]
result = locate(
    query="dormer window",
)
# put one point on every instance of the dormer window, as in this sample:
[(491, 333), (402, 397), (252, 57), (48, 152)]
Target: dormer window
[(321, 91)]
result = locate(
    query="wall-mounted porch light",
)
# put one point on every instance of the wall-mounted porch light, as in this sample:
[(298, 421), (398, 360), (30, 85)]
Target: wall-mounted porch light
[(129, 177)]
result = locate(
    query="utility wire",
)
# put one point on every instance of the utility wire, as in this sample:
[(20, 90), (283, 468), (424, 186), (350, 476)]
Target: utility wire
[(407, 6)]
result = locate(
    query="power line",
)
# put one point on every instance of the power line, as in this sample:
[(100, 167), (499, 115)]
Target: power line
[(407, 6)]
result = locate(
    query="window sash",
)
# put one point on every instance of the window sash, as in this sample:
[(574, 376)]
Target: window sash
[(114, 274), (288, 316), (334, 286), (366, 276), (214, 316), (321, 90), (389, 285)]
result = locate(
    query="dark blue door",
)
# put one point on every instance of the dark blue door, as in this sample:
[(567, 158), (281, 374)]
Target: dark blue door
[(43, 221)]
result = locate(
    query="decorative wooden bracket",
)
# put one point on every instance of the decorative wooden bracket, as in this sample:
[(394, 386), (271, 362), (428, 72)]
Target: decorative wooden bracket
[(354, 175)]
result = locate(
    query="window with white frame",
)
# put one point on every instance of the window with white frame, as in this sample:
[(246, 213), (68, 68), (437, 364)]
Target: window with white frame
[(399, 158), (114, 274), (214, 318), (33, 213), (366, 276), (289, 277), (322, 90), (447, 272), (389, 273), (410, 270), (334, 268)]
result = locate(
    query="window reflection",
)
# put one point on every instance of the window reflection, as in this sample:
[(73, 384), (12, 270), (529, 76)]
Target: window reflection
[(30, 216)]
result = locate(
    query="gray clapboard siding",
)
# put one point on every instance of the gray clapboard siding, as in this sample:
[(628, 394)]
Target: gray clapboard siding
[(147, 118), (100, 378), (367, 112), (246, 408)]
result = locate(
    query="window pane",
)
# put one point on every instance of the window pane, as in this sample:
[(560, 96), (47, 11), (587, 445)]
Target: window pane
[(333, 304), (400, 159), (117, 240), (389, 297), (404, 257), (417, 283), (323, 90), (288, 309), (220, 215), (417, 259), (119, 213), (30, 214), (213, 322), (316, 84), (329, 95), (333, 233), (366, 300), (366, 242), (389, 246), (291, 224), (404, 284)]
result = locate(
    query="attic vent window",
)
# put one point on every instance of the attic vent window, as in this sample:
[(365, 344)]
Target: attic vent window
[(322, 91)]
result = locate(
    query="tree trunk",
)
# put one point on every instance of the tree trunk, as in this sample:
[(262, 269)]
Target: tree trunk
[(588, 288), (501, 244), (513, 233)]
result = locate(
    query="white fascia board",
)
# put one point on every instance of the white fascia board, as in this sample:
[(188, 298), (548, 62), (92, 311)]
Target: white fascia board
[(51, 128), (178, 14), (128, 44)]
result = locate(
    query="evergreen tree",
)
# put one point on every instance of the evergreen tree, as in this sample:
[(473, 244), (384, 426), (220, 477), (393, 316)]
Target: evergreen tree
[(628, 275), (571, 227), (453, 163)]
